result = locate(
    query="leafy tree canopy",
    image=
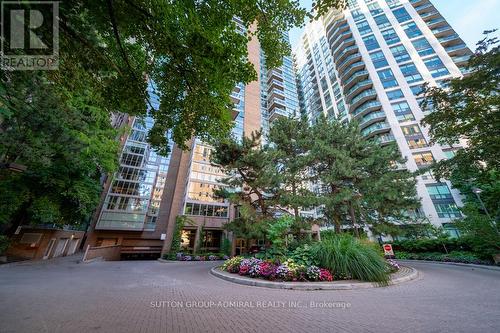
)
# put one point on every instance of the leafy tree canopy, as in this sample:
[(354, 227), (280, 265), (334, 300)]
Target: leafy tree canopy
[(468, 108)]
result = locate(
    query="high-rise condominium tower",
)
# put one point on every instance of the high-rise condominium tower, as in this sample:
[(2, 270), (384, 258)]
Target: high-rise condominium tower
[(368, 63), (142, 200)]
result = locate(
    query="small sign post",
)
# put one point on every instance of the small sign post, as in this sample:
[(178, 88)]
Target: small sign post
[(388, 252)]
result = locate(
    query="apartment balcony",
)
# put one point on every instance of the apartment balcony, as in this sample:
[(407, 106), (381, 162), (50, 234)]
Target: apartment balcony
[(276, 102), (384, 139), (347, 61), (366, 108), (345, 52), (236, 97), (362, 98), (450, 39), (465, 71), (420, 8), (353, 68), (235, 113), (337, 27), (442, 31), (437, 22), (430, 15), (417, 2), (275, 84), (457, 50), (274, 75), (461, 60), (343, 36), (376, 128), (345, 43), (275, 93), (357, 88), (371, 118), (277, 112), (356, 77)]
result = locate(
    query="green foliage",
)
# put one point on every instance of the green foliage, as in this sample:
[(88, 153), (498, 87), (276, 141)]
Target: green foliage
[(4, 244), (304, 255), (356, 173), (467, 109), (278, 231), (455, 256), (442, 245), (190, 49), (346, 256), (226, 246), (65, 141), (180, 222), (479, 233), (290, 139)]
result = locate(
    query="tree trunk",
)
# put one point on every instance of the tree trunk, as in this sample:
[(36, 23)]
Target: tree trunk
[(336, 221), (353, 219)]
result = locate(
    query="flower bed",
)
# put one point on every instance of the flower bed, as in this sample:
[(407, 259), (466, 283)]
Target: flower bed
[(187, 257), (288, 270), (274, 270)]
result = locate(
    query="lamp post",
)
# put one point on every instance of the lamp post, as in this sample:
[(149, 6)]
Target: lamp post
[(477, 191)]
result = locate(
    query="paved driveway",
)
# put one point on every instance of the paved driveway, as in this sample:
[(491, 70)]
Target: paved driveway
[(149, 296)]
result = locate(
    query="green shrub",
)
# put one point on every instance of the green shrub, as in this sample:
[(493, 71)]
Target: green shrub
[(4, 244), (277, 233), (348, 257), (303, 255), (455, 256), (226, 247)]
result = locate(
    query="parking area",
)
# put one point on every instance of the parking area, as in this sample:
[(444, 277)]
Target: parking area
[(62, 295)]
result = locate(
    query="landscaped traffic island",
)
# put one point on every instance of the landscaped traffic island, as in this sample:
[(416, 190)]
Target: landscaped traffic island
[(289, 270), (335, 258)]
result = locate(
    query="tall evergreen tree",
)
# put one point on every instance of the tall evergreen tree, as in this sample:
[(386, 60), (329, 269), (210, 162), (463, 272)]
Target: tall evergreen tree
[(359, 180), (289, 146)]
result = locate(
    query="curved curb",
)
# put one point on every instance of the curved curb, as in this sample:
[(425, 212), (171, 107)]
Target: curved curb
[(449, 263), (310, 285), (182, 261)]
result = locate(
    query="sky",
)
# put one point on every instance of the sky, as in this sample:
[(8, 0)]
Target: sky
[(469, 18)]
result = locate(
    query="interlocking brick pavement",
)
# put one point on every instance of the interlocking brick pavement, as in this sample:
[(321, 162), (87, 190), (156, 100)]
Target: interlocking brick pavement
[(149, 296)]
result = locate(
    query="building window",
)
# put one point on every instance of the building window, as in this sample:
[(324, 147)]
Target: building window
[(357, 15), (390, 36), (439, 191), (371, 42), (416, 143), (387, 78), (410, 73), (423, 47), (382, 21), (393, 3), (363, 27), (401, 15), (411, 130), (411, 30), (402, 111), (449, 153), (443, 200), (400, 54), (378, 59), (374, 8), (447, 210), (417, 90), (436, 67), (423, 159), (395, 94)]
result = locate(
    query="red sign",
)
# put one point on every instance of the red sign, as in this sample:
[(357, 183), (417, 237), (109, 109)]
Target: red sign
[(388, 250)]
